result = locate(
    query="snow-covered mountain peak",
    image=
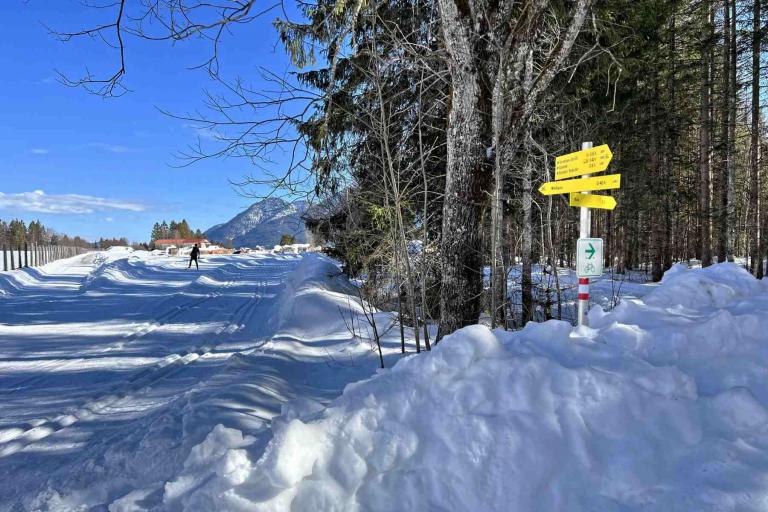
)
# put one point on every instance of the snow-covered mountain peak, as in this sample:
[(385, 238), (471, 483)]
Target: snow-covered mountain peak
[(263, 223)]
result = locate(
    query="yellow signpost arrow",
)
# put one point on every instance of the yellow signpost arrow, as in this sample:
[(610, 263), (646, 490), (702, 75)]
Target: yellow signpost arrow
[(607, 182), (593, 201), (586, 161)]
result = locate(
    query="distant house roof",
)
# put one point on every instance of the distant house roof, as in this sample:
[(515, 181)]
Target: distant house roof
[(180, 241)]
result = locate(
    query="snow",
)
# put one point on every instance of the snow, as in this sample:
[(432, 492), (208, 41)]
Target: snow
[(661, 405), (263, 223), (130, 383), (607, 291)]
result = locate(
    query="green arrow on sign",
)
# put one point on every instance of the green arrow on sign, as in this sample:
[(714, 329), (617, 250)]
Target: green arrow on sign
[(590, 251)]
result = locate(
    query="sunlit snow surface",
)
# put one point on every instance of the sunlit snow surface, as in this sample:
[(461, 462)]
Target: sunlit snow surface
[(661, 405), (115, 365), (129, 383)]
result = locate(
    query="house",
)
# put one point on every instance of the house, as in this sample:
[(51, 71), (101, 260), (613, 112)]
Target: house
[(292, 248), (173, 245), (214, 249)]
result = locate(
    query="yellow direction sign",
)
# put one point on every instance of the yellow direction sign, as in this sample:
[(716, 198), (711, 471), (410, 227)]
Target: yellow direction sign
[(581, 185), (586, 161), (593, 201)]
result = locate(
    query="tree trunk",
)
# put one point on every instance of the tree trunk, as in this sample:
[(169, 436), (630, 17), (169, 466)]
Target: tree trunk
[(671, 143), (656, 248), (723, 244), (754, 153), (704, 139), (468, 177), (498, 271), (731, 219), (527, 240)]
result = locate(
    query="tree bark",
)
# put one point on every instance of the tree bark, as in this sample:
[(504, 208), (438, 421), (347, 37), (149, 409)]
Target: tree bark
[(527, 242), (724, 182), (656, 243), (498, 270), (468, 176), (754, 153), (704, 139), (731, 219)]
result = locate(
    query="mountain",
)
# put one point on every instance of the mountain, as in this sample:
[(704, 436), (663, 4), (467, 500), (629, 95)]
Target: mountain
[(263, 223)]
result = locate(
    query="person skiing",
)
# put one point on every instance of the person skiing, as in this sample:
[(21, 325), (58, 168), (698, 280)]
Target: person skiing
[(193, 257)]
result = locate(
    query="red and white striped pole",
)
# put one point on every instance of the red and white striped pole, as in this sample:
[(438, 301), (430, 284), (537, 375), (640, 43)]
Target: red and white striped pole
[(584, 228), (584, 288)]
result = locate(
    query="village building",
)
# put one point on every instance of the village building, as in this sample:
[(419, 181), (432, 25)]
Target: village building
[(173, 245)]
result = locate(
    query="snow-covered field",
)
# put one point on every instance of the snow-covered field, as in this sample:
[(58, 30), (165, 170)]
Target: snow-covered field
[(114, 365), (131, 383)]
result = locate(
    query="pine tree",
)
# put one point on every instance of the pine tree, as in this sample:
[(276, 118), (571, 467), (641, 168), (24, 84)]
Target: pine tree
[(165, 230), (18, 232), (184, 231), (157, 232)]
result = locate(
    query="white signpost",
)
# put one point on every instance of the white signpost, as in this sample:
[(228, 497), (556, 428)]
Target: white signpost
[(589, 251)]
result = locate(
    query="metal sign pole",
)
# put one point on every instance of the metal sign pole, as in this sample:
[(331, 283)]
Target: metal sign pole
[(585, 222)]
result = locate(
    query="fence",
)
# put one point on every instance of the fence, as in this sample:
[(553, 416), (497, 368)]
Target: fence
[(34, 255)]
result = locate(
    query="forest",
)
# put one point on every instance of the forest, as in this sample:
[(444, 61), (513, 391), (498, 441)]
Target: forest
[(173, 229), (16, 233), (422, 129)]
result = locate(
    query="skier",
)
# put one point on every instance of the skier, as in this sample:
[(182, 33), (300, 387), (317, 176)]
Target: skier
[(193, 257)]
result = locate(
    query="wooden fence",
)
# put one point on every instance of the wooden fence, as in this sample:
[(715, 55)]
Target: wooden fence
[(34, 255)]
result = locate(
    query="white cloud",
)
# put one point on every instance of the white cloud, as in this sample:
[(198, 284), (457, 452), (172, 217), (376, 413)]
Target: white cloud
[(112, 148), (109, 219), (205, 132), (40, 202), (40, 151)]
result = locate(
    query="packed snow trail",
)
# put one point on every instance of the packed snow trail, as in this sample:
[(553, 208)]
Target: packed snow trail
[(114, 365)]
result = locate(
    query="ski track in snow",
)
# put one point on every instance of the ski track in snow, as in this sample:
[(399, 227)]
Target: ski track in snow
[(42, 428), (98, 352)]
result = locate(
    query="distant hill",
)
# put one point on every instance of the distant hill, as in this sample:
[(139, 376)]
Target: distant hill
[(263, 223)]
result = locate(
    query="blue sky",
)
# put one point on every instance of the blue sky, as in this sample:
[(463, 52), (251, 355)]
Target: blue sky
[(95, 167)]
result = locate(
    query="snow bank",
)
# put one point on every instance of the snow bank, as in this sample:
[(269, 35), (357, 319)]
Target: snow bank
[(656, 407), (714, 286), (311, 304), (35, 279)]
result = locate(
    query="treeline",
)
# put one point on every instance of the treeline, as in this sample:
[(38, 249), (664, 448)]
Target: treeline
[(16, 233), (425, 127), (106, 243), (164, 230)]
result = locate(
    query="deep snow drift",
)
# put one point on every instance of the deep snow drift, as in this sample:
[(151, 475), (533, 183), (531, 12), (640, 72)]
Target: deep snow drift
[(661, 405)]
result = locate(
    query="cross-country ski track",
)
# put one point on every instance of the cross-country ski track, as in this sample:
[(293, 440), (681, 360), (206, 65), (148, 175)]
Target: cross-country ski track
[(114, 365)]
